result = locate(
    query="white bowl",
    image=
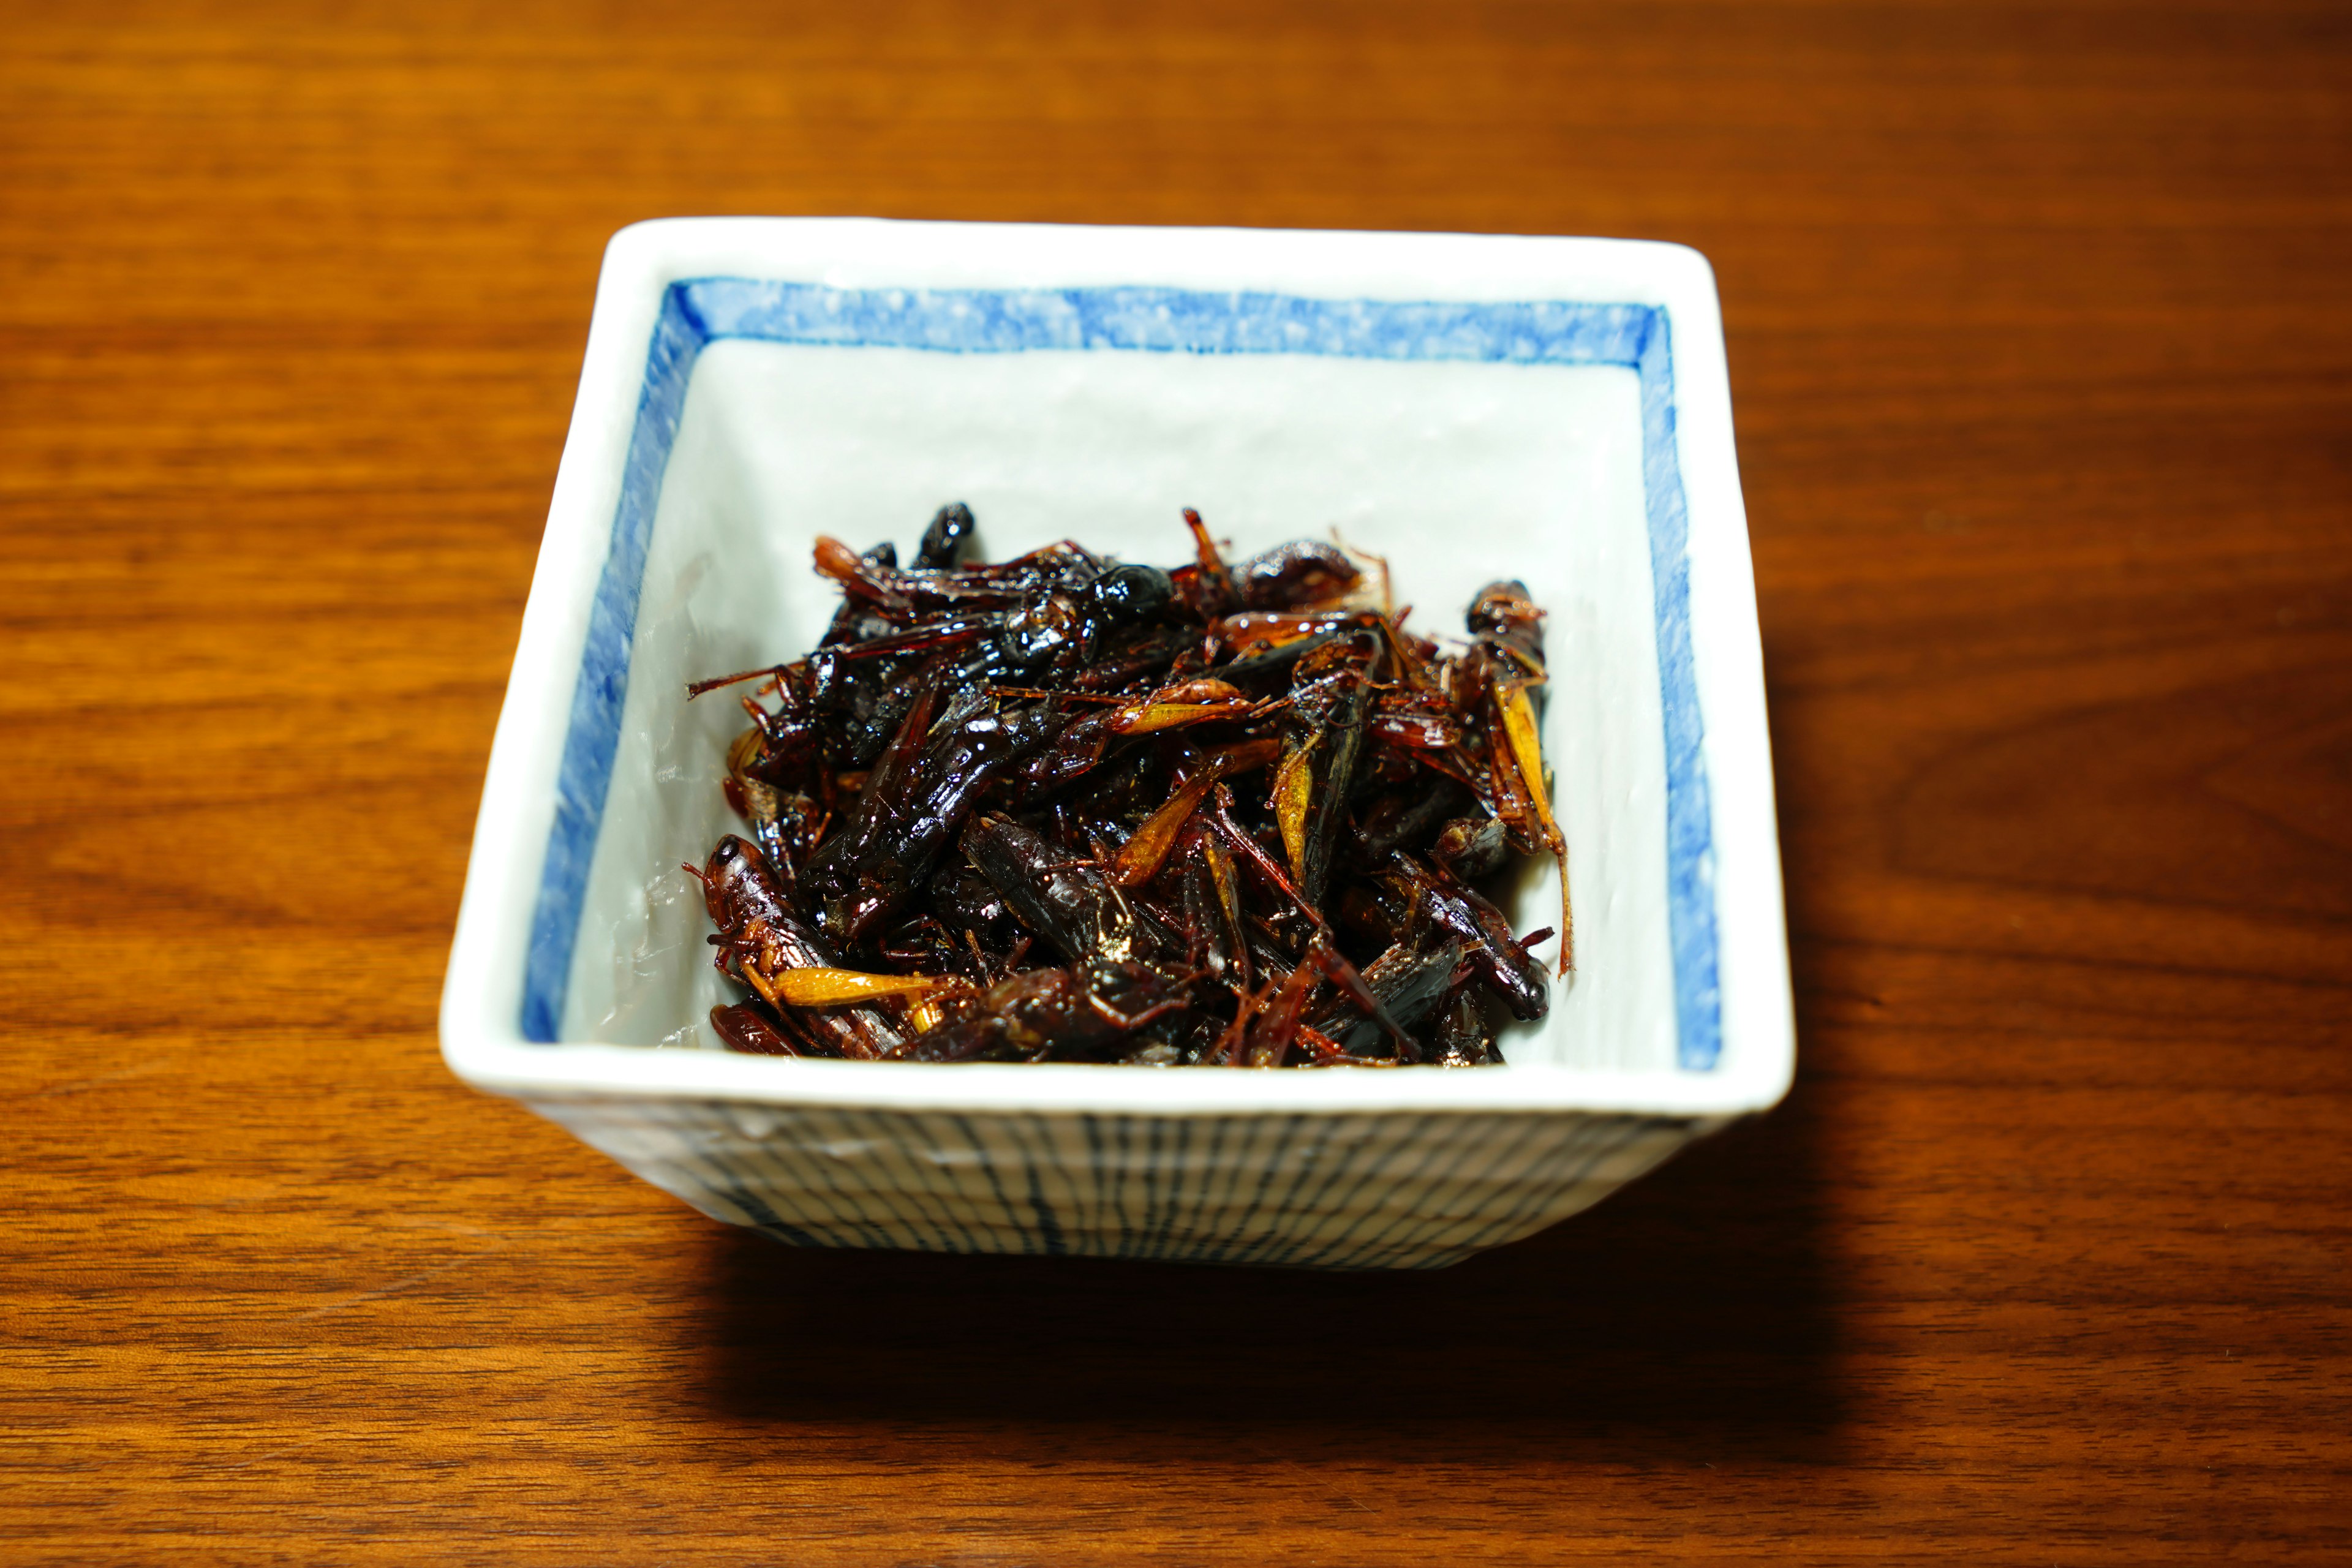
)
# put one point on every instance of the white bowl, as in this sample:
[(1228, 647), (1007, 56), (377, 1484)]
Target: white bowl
[(1555, 410)]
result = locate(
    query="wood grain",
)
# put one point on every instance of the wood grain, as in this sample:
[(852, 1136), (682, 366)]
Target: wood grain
[(2042, 352)]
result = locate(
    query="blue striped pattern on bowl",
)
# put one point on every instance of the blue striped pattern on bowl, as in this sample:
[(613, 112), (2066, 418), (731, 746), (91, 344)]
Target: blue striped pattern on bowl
[(1301, 1191)]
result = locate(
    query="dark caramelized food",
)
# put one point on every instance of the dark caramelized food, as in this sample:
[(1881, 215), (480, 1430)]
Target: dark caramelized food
[(1065, 808)]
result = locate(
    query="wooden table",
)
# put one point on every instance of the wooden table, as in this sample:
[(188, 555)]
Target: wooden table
[(2041, 348)]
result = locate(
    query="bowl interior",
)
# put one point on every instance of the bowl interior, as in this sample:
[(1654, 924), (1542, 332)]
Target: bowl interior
[(1458, 468)]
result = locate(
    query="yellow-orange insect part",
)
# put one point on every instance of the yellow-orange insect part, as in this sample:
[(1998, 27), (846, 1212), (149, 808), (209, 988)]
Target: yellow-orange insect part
[(1142, 856), (1526, 753), (1526, 749), (1152, 717), (1294, 790), (832, 987)]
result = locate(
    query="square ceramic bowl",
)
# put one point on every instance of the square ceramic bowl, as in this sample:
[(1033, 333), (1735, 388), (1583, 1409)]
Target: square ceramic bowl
[(1471, 407)]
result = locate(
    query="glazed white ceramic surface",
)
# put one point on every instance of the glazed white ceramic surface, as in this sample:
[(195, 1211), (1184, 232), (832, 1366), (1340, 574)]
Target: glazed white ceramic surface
[(1468, 407)]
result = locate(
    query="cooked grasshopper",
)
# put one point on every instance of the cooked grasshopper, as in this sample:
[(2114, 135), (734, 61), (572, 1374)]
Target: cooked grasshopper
[(1067, 808)]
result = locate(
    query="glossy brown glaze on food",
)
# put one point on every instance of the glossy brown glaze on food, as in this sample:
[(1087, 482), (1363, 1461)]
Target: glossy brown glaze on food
[(1068, 809)]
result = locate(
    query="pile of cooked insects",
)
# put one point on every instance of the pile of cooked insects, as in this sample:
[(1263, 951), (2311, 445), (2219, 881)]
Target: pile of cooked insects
[(1070, 809)]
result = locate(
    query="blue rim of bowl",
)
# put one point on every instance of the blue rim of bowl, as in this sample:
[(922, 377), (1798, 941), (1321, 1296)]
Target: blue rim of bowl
[(699, 311)]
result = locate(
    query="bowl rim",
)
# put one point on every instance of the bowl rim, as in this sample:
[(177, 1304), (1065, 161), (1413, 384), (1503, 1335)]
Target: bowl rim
[(480, 1020)]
